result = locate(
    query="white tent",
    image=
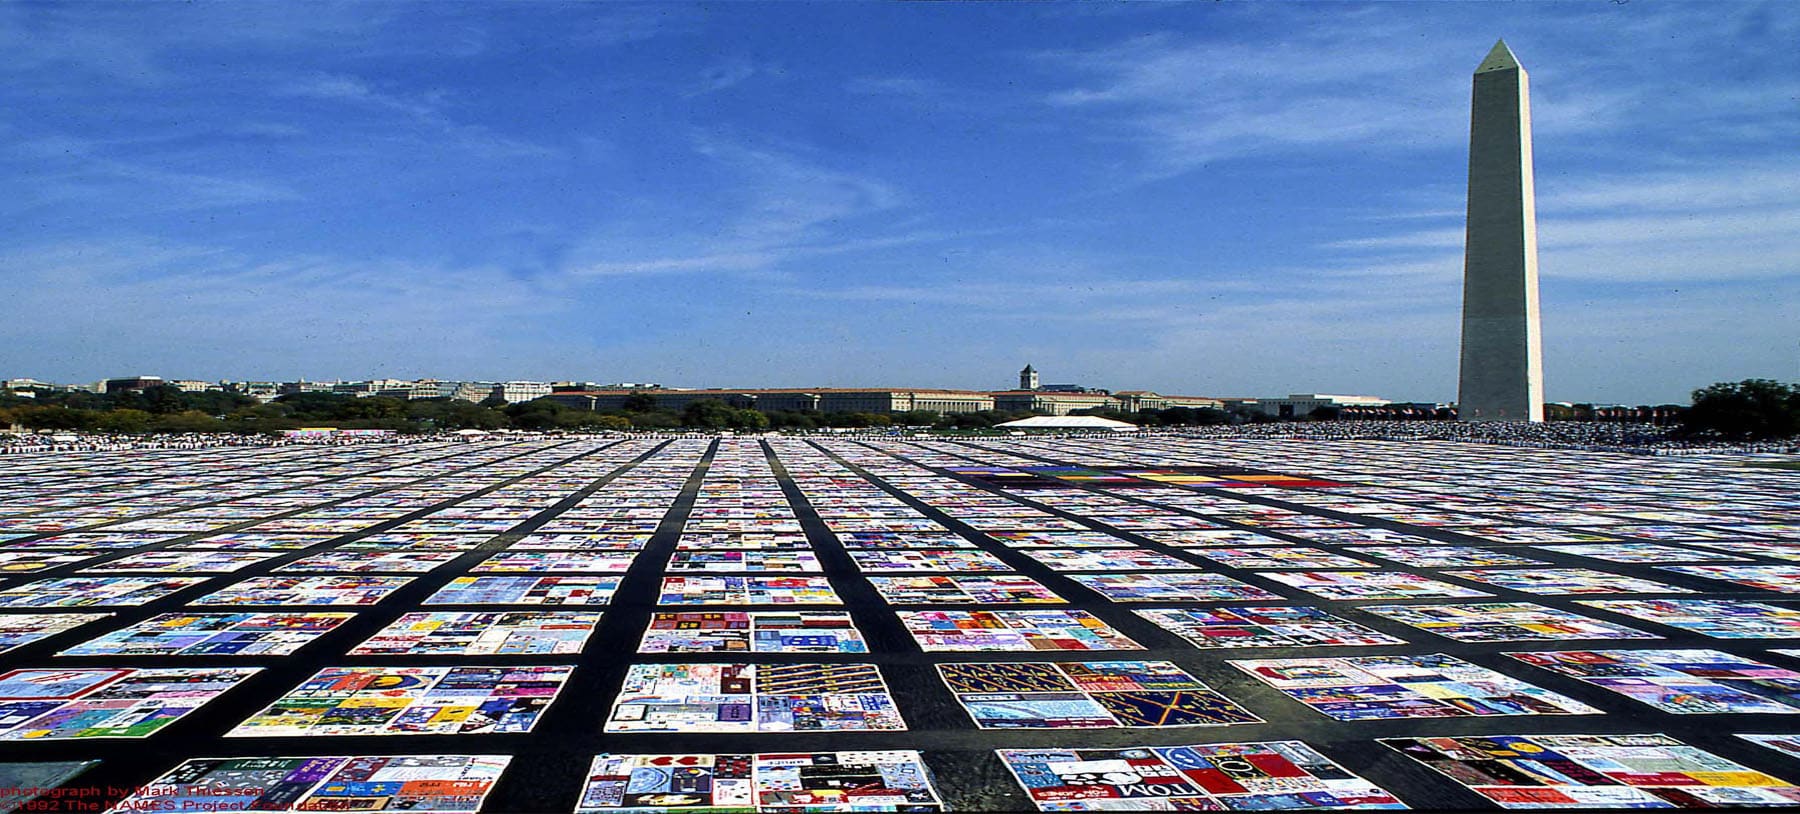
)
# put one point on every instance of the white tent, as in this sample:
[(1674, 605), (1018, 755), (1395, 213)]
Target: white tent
[(1068, 422)]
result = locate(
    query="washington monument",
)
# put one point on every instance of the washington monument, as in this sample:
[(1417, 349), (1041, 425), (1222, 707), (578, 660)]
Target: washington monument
[(1502, 352)]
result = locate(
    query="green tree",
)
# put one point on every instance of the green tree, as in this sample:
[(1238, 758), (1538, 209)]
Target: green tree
[(373, 407), (640, 403), (537, 414), (186, 421), (1211, 415), (611, 422), (1753, 409), (655, 420), (315, 406), (793, 420), (49, 417), (217, 402), (123, 421), (749, 421), (918, 418), (710, 414), (163, 399)]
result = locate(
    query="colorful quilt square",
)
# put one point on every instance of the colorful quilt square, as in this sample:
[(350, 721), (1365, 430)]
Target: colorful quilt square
[(1640, 552), (365, 562), (1718, 618), (955, 590), (753, 632), (748, 561), (1263, 626), (1059, 539), (1778, 578), (1443, 556), (344, 589), (1167, 586), (1504, 622), (485, 633), (901, 539), (410, 701), (1594, 771), (1280, 557), (925, 559), (1346, 585), (1555, 581), (435, 783), (201, 562), (1086, 695), (893, 780), (1679, 681), (753, 698), (536, 562), (502, 590), (1013, 630), (25, 562), (1366, 688), (214, 634), (81, 592), (1275, 775), (748, 591), (106, 703), (20, 629)]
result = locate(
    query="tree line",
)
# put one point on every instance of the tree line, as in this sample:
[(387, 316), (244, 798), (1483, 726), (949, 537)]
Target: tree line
[(1753, 409)]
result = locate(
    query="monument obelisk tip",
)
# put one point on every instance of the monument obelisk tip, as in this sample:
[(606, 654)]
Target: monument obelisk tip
[(1502, 373), (1499, 59)]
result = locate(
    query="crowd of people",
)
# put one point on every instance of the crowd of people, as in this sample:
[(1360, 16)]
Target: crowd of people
[(1646, 439)]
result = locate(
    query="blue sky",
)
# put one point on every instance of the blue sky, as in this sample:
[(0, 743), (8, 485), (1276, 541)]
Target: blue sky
[(1210, 199)]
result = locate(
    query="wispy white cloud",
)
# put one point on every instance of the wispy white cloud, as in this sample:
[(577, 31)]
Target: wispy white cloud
[(723, 76), (426, 112), (130, 43), (67, 171), (614, 24), (355, 91), (1187, 102), (1731, 221), (781, 207), (186, 301)]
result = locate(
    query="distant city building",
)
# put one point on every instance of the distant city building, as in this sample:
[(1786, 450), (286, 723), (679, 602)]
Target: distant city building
[(515, 392), (261, 391), (430, 389), (134, 383), (770, 400), (390, 388), (471, 391), (1029, 382), (1052, 402), (1132, 401), (303, 386), (193, 386)]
